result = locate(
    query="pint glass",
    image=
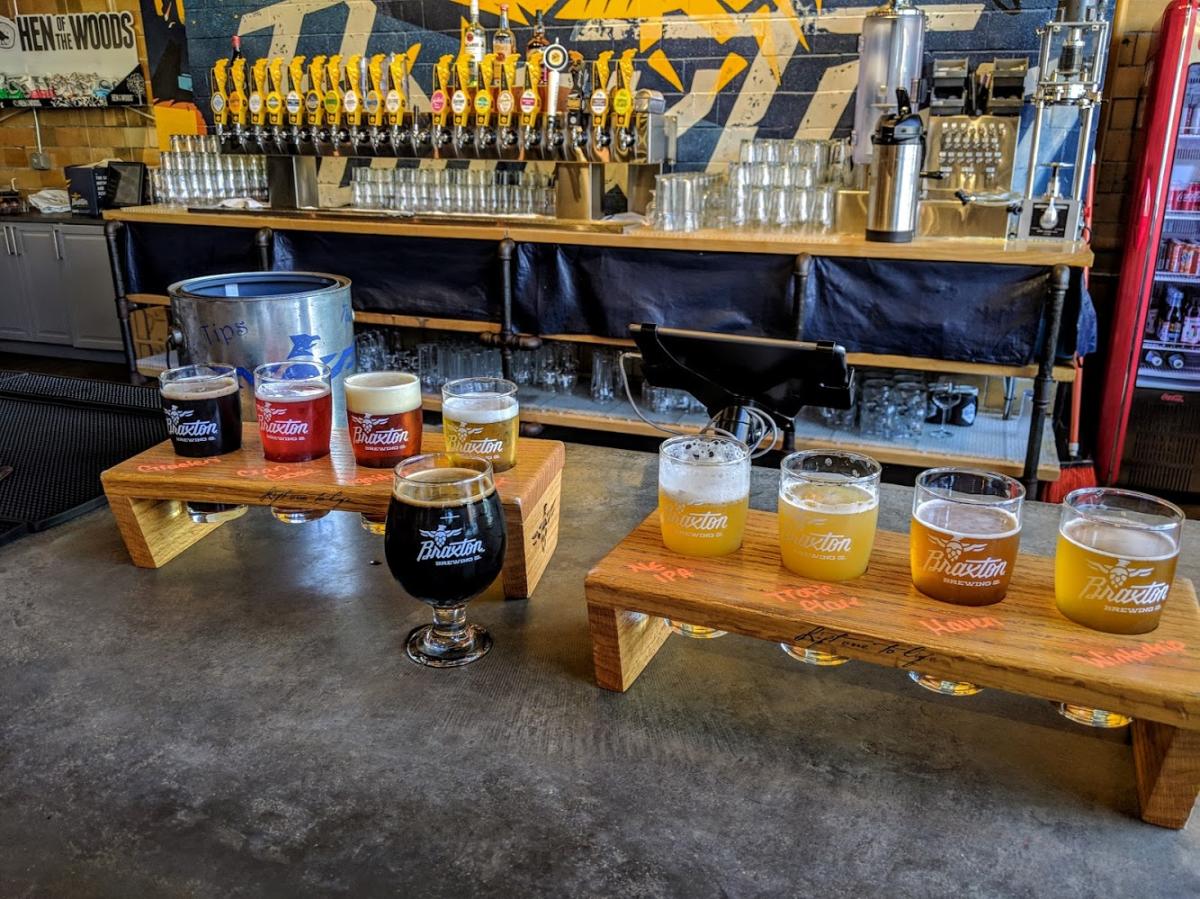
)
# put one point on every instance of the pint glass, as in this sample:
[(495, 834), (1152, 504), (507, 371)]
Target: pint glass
[(204, 418), (295, 413), (383, 411), (479, 418), (966, 528), (703, 497), (445, 544), (828, 508), (294, 408), (1115, 559)]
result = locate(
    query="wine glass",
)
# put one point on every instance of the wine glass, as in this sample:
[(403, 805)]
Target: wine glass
[(445, 540), (944, 397)]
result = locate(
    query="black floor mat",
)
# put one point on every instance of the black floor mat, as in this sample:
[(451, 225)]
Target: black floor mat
[(59, 434)]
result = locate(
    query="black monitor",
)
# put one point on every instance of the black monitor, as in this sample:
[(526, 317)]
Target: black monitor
[(732, 370)]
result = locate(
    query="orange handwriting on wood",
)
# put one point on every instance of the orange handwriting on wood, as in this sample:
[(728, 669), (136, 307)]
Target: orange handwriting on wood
[(817, 598), (959, 625), (176, 466), (661, 572), (1132, 655)]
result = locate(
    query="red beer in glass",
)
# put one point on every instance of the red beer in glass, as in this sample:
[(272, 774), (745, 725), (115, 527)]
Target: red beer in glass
[(383, 410), (295, 409)]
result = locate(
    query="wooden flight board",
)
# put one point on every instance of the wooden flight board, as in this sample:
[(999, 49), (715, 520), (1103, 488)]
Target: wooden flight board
[(1022, 644), (145, 491)]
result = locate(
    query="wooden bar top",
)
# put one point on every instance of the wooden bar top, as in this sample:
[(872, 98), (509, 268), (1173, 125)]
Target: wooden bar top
[(932, 249)]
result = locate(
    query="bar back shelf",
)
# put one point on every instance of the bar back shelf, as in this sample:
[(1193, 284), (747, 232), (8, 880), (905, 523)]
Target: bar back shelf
[(145, 494), (1022, 645)]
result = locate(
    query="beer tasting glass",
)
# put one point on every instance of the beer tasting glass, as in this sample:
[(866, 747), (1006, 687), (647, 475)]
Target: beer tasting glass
[(204, 418), (295, 413), (828, 509), (445, 543), (966, 529), (479, 418), (703, 497), (383, 411), (1113, 568)]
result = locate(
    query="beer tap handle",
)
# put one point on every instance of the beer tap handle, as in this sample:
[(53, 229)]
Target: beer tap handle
[(275, 95), (237, 96), (295, 93), (377, 71), (315, 98), (220, 99)]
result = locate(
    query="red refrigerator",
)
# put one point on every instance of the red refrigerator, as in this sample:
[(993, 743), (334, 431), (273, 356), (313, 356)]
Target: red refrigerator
[(1149, 435)]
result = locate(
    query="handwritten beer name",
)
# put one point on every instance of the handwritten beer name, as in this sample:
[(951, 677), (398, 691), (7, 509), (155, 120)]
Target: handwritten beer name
[(809, 598), (959, 625), (1144, 652), (284, 472), (175, 466), (660, 572), (902, 655)]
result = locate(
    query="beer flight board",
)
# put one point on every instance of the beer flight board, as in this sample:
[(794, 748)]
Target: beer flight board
[(145, 494), (1021, 644)]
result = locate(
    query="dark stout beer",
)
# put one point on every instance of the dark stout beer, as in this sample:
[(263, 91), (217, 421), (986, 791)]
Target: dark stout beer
[(203, 413), (445, 537), (204, 418)]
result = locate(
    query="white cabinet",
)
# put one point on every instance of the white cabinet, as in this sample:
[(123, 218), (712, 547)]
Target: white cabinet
[(87, 276)]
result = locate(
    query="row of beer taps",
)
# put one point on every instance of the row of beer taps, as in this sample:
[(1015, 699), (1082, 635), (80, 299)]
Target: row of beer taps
[(561, 109)]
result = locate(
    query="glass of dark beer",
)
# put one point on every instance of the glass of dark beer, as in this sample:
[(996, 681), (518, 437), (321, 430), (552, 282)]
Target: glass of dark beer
[(294, 404), (204, 418), (445, 542)]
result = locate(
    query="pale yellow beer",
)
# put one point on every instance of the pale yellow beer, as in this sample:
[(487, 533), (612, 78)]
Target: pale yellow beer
[(693, 527), (1115, 559), (480, 418), (828, 509), (827, 531), (703, 494), (966, 529)]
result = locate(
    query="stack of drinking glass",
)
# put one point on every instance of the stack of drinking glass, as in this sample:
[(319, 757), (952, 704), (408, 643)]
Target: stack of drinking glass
[(194, 173), (776, 185), (453, 191)]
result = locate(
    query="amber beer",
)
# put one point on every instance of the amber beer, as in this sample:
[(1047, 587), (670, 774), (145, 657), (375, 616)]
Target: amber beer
[(480, 418), (1115, 559), (828, 509), (703, 494), (966, 529), (383, 411)]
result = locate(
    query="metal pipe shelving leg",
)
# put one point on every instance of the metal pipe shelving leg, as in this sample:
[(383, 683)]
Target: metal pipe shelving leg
[(1043, 383)]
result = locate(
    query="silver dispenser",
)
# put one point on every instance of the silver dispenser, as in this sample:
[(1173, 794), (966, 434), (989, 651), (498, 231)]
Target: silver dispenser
[(894, 183), (890, 56)]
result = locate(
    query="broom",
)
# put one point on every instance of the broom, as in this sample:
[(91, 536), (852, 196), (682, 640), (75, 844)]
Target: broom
[(1076, 472)]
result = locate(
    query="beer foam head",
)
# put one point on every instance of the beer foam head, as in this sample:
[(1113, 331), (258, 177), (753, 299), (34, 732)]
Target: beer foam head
[(442, 487), (704, 469), (480, 409), (200, 388), (1116, 539), (963, 519), (383, 392), (830, 498), (290, 391)]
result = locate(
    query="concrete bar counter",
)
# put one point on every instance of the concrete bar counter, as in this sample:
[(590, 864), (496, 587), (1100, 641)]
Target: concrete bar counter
[(243, 721)]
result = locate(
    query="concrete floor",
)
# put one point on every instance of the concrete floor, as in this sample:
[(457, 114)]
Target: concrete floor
[(243, 722)]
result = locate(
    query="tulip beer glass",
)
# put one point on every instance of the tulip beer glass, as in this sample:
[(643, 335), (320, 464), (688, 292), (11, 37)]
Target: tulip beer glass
[(966, 528), (204, 418), (703, 497), (1113, 568), (479, 418), (445, 543), (383, 412), (295, 413), (828, 509)]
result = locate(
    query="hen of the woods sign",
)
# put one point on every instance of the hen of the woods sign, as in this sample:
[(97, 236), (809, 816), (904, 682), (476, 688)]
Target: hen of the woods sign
[(70, 59)]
